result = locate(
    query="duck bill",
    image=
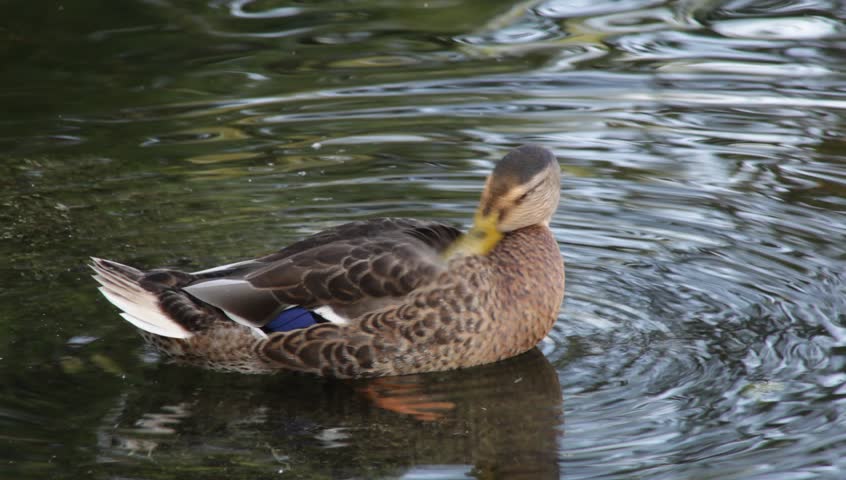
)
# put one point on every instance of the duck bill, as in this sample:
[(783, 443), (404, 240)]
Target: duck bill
[(480, 239)]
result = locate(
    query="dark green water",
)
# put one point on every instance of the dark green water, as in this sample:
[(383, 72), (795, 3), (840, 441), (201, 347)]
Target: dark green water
[(703, 219)]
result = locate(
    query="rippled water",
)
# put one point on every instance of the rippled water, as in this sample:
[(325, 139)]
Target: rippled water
[(703, 220)]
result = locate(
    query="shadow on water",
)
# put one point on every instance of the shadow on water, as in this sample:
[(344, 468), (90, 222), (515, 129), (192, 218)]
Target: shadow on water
[(495, 421)]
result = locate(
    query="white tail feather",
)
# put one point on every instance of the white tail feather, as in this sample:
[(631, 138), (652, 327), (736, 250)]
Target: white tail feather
[(140, 307), (152, 327)]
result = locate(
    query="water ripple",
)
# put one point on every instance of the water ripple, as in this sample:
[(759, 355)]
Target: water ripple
[(781, 28)]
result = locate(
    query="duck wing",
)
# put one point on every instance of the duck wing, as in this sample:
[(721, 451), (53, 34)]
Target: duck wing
[(352, 268), (435, 235)]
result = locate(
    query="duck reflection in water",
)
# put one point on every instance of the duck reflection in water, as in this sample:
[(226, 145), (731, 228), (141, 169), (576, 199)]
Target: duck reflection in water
[(496, 421)]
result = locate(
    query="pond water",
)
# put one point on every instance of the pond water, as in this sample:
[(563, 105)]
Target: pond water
[(703, 219)]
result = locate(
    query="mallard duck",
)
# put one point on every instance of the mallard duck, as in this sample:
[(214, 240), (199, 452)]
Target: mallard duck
[(388, 296)]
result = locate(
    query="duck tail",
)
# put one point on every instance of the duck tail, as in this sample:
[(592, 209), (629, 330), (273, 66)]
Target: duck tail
[(148, 304)]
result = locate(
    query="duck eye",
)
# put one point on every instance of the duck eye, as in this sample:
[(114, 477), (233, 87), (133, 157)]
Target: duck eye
[(526, 194)]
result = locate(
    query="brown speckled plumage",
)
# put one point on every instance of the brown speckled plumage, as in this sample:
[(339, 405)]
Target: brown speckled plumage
[(410, 309)]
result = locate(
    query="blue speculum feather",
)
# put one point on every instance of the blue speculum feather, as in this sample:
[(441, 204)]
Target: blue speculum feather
[(293, 318)]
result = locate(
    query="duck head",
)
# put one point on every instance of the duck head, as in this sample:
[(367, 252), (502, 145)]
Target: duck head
[(523, 190)]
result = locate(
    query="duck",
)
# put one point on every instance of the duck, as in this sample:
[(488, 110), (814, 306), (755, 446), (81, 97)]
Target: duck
[(370, 298)]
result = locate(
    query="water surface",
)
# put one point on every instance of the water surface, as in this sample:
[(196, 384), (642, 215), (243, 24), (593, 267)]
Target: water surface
[(703, 219)]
